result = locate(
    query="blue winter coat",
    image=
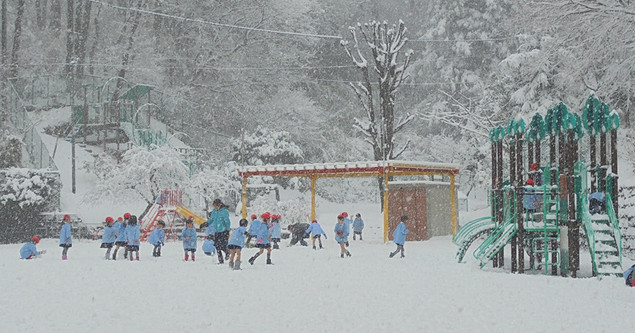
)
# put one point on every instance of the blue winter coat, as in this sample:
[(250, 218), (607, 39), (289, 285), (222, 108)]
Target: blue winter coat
[(238, 237), (341, 236), (27, 250), (65, 234), (210, 229), (208, 246), (121, 231), (347, 224), (399, 235), (628, 272), (275, 231), (251, 227), (220, 219), (358, 225), (109, 234), (261, 232), (157, 236), (191, 243), (530, 198), (316, 229), (132, 234)]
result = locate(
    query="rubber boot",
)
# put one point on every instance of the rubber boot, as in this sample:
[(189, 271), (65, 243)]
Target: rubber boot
[(193, 257), (392, 254), (237, 265), (187, 257), (114, 255), (252, 259), (64, 257), (348, 254), (137, 258), (268, 261), (231, 265), (131, 258), (341, 255)]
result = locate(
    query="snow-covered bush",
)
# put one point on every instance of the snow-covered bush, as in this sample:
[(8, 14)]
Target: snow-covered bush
[(24, 194), (10, 151)]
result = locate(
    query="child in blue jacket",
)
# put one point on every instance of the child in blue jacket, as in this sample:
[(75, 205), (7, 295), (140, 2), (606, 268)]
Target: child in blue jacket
[(341, 235), (317, 231), (236, 244), (120, 227), (209, 248), (108, 239), (263, 241), (347, 225), (275, 230), (189, 239), (132, 237), (157, 237), (66, 238), (629, 276), (399, 236), (358, 226), (28, 250)]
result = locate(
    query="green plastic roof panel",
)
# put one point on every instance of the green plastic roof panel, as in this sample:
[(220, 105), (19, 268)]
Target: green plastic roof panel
[(136, 92)]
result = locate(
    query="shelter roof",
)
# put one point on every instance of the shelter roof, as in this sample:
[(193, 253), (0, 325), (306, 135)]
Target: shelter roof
[(350, 169)]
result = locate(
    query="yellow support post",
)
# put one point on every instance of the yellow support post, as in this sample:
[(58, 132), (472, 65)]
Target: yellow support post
[(313, 180), (244, 197), (453, 198), (385, 206)]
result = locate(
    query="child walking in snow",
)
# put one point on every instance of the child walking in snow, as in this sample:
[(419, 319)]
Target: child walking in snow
[(275, 230), (108, 239), (236, 244), (317, 231), (347, 225), (399, 236), (156, 238), (341, 235), (120, 228), (66, 238), (261, 232), (358, 226), (250, 232), (132, 237), (189, 239), (29, 251)]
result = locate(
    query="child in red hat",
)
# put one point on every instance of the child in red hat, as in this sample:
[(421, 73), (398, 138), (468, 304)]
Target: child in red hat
[(29, 251), (66, 238)]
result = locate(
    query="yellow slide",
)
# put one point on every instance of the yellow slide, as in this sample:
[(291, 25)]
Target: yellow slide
[(187, 213)]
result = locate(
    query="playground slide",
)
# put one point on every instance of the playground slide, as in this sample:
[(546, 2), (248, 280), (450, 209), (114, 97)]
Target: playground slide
[(187, 213), (470, 232), (496, 241)]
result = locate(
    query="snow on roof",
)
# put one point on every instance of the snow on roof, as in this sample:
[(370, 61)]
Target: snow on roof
[(394, 166)]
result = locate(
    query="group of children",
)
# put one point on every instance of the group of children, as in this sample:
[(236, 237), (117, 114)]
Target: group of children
[(125, 233)]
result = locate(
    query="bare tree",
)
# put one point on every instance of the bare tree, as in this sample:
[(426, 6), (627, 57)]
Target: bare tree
[(17, 33), (384, 44)]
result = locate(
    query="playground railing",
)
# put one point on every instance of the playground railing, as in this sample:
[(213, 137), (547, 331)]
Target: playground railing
[(586, 220), (468, 229), (493, 239), (617, 233)]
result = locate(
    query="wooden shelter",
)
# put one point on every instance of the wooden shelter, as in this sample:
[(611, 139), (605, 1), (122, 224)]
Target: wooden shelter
[(384, 169)]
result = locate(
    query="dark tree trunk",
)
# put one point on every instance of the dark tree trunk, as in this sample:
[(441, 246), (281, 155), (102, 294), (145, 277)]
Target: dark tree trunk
[(17, 33), (55, 22), (70, 56)]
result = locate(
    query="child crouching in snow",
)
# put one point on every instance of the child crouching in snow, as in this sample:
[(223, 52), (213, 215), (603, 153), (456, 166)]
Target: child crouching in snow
[(209, 247), (156, 238), (109, 237), (132, 236), (317, 231), (236, 244), (189, 239), (399, 236), (29, 251)]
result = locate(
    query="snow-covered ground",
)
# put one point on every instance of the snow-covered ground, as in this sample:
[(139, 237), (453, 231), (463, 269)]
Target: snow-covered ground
[(305, 290)]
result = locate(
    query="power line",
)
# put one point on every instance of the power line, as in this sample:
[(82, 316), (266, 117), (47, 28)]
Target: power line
[(290, 33)]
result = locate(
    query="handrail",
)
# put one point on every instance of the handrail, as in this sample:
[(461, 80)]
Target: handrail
[(617, 233), (467, 229), (590, 234), (493, 237)]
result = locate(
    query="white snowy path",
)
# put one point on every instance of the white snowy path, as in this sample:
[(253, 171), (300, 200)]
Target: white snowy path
[(305, 290)]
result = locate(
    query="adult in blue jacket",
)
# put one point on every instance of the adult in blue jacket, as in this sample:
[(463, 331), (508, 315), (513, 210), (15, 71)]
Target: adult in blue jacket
[(189, 239), (108, 239), (317, 232), (399, 236), (29, 251), (133, 234), (341, 235), (261, 232), (219, 217), (358, 226), (66, 238)]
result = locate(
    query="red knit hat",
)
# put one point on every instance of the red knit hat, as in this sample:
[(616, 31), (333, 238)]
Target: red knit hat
[(265, 215), (254, 216), (345, 214), (109, 219), (126, 215), (36, 239), (530, 182), (67, 217), (314, 221)]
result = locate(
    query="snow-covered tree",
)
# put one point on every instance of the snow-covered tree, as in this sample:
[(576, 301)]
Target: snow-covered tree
[(142, 174), (265, 146), (212, 183), (24, 194)]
